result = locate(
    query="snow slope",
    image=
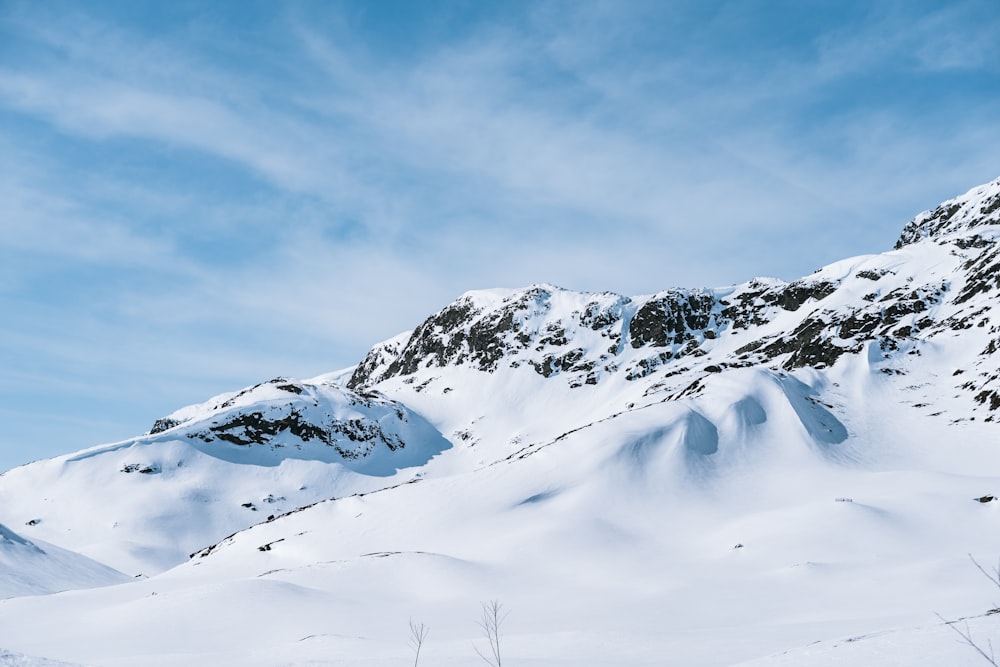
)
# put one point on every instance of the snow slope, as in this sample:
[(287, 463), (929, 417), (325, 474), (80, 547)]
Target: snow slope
[(30, 568), (205, 471), (765, 474)]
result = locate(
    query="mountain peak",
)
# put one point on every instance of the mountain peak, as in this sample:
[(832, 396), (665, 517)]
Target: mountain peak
[(978, 207)]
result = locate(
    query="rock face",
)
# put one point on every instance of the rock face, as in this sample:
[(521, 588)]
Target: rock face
[(300, 420), (555, 331), (976, 208)]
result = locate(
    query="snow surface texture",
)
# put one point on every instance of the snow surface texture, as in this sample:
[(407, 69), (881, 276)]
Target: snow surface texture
[(766, 474), (11, 659)]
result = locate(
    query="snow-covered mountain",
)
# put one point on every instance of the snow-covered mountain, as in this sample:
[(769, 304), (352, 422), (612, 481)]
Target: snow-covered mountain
[(208, 470), (697, 477)]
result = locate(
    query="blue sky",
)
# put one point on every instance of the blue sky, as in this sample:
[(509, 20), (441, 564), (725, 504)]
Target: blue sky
[(195, 197)]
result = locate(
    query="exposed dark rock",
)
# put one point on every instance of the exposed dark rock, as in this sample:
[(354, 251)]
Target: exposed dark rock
[(670, 319), (248, 428), (461, 333), (267, 547), (989, 396), (975, 241), (596, 317), (552, 364), (751, 346), (749, 309), (745, 312), (973, 210), (692, 389), (555, 335), (797, 293), (141, 468), (351, 438), (163, 424), (919, 228), (859, 323), (645, 367), (991, 205), (810, 344), (983, 275)]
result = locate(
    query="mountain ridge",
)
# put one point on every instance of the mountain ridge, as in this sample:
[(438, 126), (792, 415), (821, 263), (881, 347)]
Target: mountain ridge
[(841, 309)]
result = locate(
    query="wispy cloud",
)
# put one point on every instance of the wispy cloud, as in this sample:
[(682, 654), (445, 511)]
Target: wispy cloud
[(272, 198), (958, 36)]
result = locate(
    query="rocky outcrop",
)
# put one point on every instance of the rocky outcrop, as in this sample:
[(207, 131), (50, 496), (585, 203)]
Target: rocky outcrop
[(351, 438), (978, 207), (305, 420)]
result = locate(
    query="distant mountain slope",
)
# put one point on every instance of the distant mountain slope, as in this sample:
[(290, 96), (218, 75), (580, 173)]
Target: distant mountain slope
[(11, 659), (30, 568)]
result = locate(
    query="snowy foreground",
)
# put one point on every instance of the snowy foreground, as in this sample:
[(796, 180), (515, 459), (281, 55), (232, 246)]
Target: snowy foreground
[(763, 475)]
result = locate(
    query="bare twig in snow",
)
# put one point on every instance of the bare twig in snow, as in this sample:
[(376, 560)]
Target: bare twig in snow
[(491, 622), (418, 633), (985, 651), (966, 636), (994, 577)]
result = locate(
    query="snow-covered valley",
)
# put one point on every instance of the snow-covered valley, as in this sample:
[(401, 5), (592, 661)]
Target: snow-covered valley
[(765, 474)]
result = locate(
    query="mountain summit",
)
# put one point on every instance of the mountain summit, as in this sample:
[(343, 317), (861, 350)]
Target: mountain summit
[(979, 207), (750, 468)]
